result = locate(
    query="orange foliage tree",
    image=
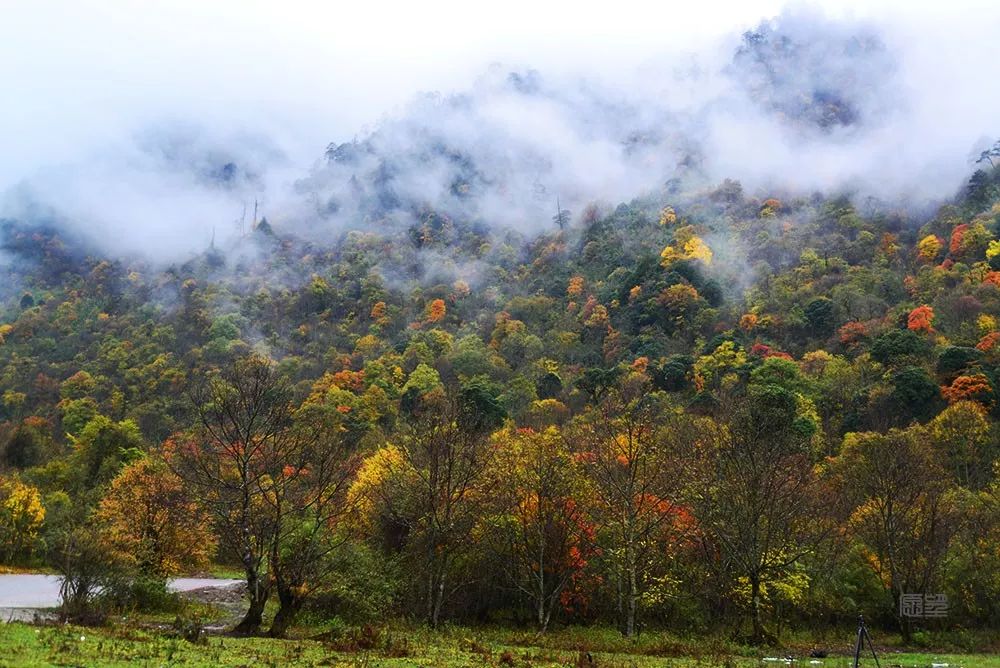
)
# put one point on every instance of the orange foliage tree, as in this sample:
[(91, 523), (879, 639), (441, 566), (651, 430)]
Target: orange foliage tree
[(974, 387), (957, 235), (921, 319), (575, 287), (149, 523), (436, 310), (988, 342), (851, 333)]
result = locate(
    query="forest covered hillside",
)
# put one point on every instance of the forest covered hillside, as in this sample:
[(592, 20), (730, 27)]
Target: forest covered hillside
[(710, 405)]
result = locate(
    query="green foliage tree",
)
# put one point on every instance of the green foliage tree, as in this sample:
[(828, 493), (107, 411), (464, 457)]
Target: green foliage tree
[(755, 492)]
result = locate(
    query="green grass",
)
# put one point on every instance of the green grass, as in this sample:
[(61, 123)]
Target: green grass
[(224, 572), (23, 645)]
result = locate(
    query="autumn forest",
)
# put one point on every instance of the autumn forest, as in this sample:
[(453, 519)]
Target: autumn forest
[(707, 409)]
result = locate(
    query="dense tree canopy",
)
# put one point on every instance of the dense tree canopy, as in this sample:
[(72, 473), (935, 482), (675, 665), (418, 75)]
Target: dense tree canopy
[(698, 405)]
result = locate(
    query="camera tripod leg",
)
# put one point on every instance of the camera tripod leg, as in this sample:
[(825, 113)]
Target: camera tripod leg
[(864, 636), (871, 646)]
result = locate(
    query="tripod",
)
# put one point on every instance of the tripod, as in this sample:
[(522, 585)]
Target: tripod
[(863, 636)]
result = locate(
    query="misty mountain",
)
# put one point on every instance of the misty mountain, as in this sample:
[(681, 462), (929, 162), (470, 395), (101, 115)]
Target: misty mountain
[(799, 104)]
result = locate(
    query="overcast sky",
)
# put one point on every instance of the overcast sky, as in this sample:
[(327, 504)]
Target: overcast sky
[(80, 73), (88, 86)]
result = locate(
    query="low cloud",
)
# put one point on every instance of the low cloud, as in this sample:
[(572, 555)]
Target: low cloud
[(801, 102)]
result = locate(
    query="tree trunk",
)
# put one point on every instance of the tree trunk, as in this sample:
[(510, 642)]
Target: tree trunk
[(252, 620), (630, 619), (619, 596), (438, 602), (905, 629), (430, 597), (632, 595), (289, 609), (548, 618), (758, 628), (895, 601), (250, 624)]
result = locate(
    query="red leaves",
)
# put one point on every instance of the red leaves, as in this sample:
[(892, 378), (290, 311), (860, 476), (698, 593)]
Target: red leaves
[(852, 333), (765, 351)]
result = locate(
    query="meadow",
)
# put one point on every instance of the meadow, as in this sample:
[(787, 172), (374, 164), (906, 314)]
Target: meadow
[(121, 645)]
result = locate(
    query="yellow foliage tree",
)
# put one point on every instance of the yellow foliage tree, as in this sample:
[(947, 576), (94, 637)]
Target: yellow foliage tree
[(711, 369), (668, 216), (367, 345), (929, 248), (688, 246), (377, 472), (696, 249), (21, 519), (960, 433), (669, 255)]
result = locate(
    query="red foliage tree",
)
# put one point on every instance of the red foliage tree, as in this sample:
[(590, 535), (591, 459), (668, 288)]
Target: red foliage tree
[(851, 333)]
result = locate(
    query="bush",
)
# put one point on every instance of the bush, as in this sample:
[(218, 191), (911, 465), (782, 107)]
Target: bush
[(83, 563), (143, 593), (363, 586), (189, 629)]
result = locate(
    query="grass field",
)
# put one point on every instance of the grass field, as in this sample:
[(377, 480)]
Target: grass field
[(23, 645)]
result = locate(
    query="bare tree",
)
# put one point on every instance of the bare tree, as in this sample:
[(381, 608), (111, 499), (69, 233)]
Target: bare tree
[(562, 216), (233, 466), (274, 478), (308, 506), (989, 154)]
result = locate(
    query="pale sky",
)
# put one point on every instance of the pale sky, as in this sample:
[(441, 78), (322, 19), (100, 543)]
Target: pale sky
[(79, 73), (86, 82)]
